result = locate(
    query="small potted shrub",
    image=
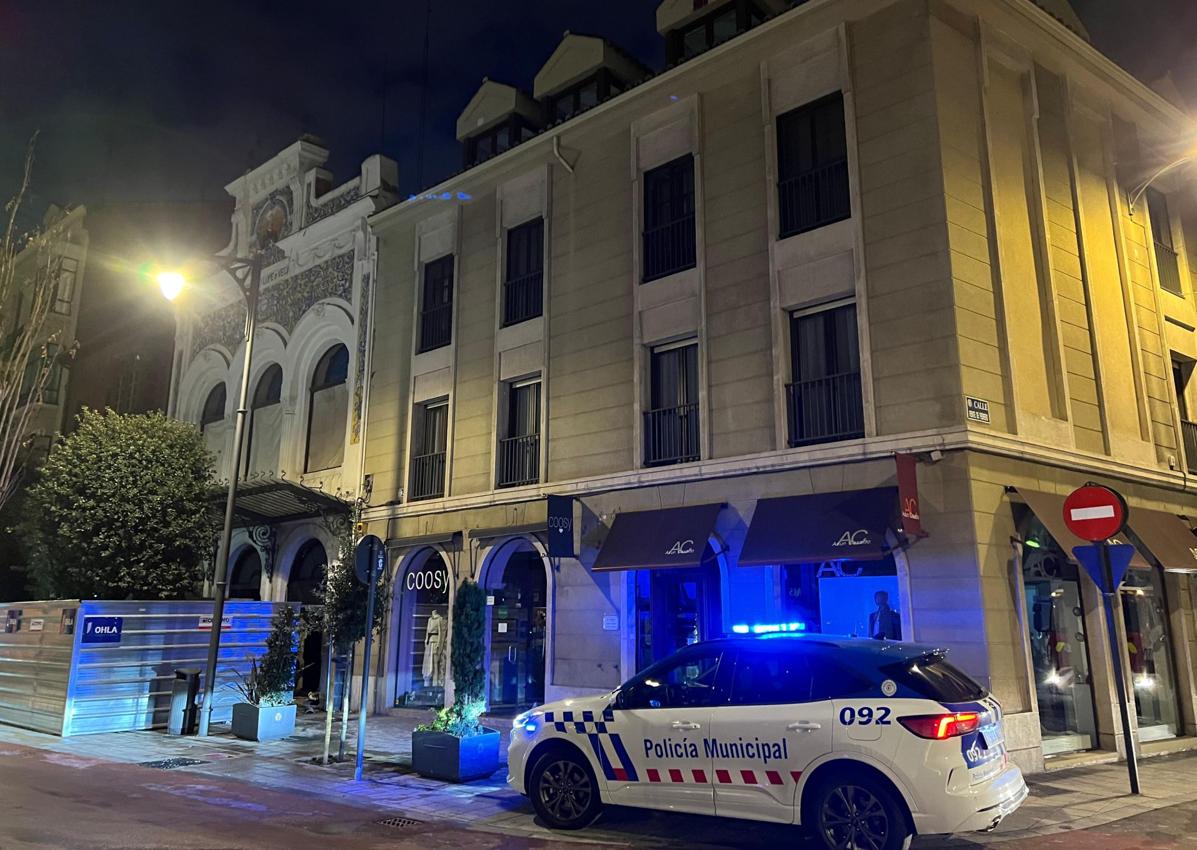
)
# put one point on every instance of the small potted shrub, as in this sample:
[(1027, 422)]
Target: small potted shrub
[(455, 746), (268, 712)]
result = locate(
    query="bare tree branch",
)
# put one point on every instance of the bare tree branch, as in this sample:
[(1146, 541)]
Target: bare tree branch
[(29, 355)]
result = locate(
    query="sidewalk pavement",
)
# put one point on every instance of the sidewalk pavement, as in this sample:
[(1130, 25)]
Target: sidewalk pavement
[(1064, 801)]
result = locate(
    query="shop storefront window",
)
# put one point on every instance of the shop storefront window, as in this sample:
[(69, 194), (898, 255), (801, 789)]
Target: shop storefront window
[(844, 598), (1150, 654), (1059, 649), (675, 608), (518, 629), (423, 633)]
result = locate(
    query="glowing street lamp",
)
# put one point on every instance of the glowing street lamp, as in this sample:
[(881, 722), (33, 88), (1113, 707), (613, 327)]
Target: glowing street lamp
[(247, 273), (171, 284)]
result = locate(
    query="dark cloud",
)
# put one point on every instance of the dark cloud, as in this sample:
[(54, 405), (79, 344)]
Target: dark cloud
[(167, 99)]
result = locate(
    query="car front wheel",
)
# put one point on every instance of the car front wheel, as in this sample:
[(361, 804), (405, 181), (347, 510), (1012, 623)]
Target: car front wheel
[(854, 813), (563, 791)]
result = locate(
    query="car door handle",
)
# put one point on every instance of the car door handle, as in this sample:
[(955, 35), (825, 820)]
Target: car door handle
[(684, 724), (804, 726)]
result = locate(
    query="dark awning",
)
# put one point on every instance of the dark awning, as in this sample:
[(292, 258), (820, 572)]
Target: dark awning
[(1167, 537), (1049, 508), (821, 527), (669, 537), (271, 500)]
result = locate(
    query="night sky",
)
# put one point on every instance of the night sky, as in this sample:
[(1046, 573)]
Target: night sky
[(165, 99)]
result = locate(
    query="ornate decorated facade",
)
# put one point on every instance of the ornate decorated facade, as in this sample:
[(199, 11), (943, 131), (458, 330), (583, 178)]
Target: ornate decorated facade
[(302, 454)]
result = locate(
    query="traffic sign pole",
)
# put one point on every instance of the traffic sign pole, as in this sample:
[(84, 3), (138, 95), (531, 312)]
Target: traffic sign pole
[(1097, 513), (374, 552), (1108, 593)]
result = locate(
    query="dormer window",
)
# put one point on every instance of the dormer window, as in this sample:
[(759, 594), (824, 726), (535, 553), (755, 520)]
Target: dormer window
[(583, 71), (585, 95), (496, 140), (701, 36), (687, 36)]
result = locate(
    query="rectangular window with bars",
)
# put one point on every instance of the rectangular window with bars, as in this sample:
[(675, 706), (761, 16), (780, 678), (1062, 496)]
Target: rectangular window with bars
[(1165, 248), (436, 306), (523, 284), (671, 425), (519, 451), (429, 448), (812, 166), (1182, 371), (64, 293), (669, 235), (824, 402)]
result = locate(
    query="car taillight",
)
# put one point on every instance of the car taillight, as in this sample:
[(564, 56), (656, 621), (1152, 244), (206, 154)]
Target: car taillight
[(939, 727)]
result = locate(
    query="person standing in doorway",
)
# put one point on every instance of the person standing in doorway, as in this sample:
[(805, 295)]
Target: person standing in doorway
[(884, 623)]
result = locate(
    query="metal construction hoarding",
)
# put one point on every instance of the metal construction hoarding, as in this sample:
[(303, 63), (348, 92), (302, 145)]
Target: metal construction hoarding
[(71, 667)]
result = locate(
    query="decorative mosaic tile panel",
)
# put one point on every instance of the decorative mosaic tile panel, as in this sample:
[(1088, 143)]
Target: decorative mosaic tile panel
[(283, 302), (313, 212)]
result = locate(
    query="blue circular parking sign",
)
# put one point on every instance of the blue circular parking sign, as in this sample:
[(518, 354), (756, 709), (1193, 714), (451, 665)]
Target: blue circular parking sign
[(369, 553)]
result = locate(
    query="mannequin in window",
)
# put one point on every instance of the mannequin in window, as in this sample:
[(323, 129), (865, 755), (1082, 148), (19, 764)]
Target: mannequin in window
[(433, 668), (884, 623)]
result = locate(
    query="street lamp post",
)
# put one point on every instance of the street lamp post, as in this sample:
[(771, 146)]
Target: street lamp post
[(1137, 194), (247, 273)]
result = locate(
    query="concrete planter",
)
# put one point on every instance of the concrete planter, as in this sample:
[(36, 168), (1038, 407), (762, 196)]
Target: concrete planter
[(263, 722), (439, 755)]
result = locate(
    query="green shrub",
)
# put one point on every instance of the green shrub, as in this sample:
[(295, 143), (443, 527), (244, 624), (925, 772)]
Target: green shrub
[(271, 678), (460, 719), (469, 643)]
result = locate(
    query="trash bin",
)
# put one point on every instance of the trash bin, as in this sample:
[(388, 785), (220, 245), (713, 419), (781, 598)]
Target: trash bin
[(183, 693)]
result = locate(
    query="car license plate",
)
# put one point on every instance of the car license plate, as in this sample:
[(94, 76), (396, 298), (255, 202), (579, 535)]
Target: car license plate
[(992, 738)]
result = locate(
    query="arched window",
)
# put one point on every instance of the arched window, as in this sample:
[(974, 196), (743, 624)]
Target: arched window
[(245, 582), (213, 425), (327, 410), (265, 423), (307, 574), (213, 411)]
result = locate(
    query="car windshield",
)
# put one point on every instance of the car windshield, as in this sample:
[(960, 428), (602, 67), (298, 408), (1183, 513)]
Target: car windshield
[(933, 677)]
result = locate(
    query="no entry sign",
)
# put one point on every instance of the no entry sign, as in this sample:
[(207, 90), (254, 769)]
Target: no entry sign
[(1095, 513)]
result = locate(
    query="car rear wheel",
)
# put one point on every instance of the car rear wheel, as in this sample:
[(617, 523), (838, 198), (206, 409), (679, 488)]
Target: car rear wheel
[(855, 813), (563, 791)]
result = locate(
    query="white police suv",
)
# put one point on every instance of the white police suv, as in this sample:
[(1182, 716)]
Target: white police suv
[(863, 742)]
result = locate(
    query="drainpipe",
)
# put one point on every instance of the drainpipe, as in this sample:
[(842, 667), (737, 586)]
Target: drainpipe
[(557, 153)]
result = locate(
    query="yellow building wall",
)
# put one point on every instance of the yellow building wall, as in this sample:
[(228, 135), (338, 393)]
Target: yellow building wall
[(736, 230), (474, 337), (912, 323), (590, 389), (1065, 257), (388, 406)]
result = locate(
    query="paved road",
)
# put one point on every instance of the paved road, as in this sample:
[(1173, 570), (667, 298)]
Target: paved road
[(50, 800), (55, 800)]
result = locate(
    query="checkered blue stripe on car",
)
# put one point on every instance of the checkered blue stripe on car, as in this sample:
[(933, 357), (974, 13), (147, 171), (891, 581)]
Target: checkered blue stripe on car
[(595, 728)]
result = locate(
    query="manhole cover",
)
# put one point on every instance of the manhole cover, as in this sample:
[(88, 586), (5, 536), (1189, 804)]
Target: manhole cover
[(171, 764), (398, 823)]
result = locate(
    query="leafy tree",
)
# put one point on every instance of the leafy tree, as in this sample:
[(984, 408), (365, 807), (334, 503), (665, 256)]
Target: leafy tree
[(121, 510), (342, 615), (469, 643), (31, 353), (344, 597)]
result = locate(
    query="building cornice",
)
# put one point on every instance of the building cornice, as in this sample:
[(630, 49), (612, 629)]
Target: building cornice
[(540, 148), (857, 451)]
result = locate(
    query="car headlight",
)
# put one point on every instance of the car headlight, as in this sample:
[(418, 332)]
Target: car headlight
[(529, 722)]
